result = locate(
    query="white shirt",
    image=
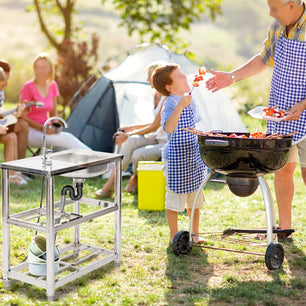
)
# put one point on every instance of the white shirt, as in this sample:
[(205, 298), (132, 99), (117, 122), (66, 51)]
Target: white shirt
[(160, 134), (2, 98)]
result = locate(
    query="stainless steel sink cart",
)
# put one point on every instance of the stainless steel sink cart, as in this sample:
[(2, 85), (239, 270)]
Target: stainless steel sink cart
[(84, 164)]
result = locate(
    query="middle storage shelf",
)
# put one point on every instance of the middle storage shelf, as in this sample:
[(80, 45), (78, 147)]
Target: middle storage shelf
[(29, 218)]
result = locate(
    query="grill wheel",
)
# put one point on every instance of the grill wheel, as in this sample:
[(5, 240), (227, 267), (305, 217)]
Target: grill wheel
[(274, 256), (181, 245)]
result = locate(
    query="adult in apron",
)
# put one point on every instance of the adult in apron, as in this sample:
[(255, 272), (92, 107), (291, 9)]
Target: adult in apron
[(288, 88)]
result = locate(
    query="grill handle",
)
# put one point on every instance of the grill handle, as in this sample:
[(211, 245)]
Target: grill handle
[(216, 143)]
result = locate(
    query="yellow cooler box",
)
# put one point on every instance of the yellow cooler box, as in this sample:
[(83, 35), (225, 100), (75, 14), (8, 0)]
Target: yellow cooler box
[(151, 185)]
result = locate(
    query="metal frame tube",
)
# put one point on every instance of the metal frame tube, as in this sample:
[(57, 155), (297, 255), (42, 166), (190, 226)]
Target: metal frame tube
[(6, 237), (117, 229), (50, 234), (212, 172), (76, 228), (269, 207)]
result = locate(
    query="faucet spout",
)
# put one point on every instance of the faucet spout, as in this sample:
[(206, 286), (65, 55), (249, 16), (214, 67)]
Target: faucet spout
[(45, 160)]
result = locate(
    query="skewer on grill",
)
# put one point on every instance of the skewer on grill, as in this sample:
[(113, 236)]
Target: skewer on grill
[(200, 133), (191, 90), (293, 133), (274, 136), (195, 131)]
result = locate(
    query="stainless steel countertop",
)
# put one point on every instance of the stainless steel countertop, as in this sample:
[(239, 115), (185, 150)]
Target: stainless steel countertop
[(34, 165)]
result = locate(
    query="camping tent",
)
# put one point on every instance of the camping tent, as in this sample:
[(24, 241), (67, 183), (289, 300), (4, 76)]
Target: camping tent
[(134, 99), (94, 119)]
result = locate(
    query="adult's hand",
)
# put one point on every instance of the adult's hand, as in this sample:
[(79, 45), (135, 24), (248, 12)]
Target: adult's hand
[(219, 80), (22, 109), (3, 130), (295, 112), (50, 130), (121, 137)]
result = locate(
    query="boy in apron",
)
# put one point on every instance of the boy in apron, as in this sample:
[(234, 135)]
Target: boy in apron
[(184, 169)]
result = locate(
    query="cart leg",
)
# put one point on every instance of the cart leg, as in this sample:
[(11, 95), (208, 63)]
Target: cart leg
[(50, 234), (76, 229), (117, 230), (194, 201), (270, 212), (6, 228)]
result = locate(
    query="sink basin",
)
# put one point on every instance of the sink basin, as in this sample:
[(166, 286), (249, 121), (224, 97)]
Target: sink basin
[(88, 159), (73, 163)]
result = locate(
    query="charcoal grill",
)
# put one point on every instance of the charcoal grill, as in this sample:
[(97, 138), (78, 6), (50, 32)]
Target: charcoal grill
[(244, 161)]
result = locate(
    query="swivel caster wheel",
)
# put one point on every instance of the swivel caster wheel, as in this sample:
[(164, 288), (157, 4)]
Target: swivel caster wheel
[(274, 256), (181, 245)]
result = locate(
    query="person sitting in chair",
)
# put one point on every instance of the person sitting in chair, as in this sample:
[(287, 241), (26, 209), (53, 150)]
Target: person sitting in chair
[(144, 143), (43, 88), (14, 133)]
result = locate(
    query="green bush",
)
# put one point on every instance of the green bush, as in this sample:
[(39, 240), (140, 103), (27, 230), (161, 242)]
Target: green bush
[(21, 72)]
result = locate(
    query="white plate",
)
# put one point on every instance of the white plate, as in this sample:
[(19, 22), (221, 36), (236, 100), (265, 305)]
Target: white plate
[(257, 113)]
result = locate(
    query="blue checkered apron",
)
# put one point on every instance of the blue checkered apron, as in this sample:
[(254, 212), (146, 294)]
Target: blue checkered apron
[(288, 86), (185, 166)]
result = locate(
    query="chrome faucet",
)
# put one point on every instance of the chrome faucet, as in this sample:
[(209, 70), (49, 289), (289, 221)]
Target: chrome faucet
[(45, 160)]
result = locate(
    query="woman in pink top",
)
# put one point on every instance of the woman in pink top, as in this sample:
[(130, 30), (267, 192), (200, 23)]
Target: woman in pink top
[(43, 88)]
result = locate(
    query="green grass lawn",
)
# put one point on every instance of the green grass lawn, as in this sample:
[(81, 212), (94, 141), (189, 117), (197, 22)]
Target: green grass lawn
[(150, 274)]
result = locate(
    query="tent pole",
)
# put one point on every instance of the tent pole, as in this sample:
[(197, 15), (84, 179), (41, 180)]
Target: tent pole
[(77, 93)]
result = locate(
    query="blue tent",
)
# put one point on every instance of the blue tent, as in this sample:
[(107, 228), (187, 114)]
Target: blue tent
[(94, 119)]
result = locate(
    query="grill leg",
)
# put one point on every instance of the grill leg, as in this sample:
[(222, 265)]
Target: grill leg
[(212, 172), (270, 212)]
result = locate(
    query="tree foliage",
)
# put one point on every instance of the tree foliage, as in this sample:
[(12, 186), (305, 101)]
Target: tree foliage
[(161, 20), (46, 11), (157, 20)]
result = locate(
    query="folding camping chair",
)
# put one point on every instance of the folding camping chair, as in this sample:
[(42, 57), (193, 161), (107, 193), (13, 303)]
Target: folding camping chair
[(34, 151)]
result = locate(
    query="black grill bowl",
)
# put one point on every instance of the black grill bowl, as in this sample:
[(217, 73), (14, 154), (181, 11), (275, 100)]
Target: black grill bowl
[(244, 156)]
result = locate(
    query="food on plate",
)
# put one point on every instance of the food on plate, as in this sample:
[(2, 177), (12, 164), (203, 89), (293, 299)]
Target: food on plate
[(274, 112), (268, 113)]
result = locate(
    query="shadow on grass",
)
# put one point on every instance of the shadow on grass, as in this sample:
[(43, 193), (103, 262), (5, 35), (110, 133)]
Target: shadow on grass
[(154, 217), (189, 277), (283, 289), (296, 260)]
